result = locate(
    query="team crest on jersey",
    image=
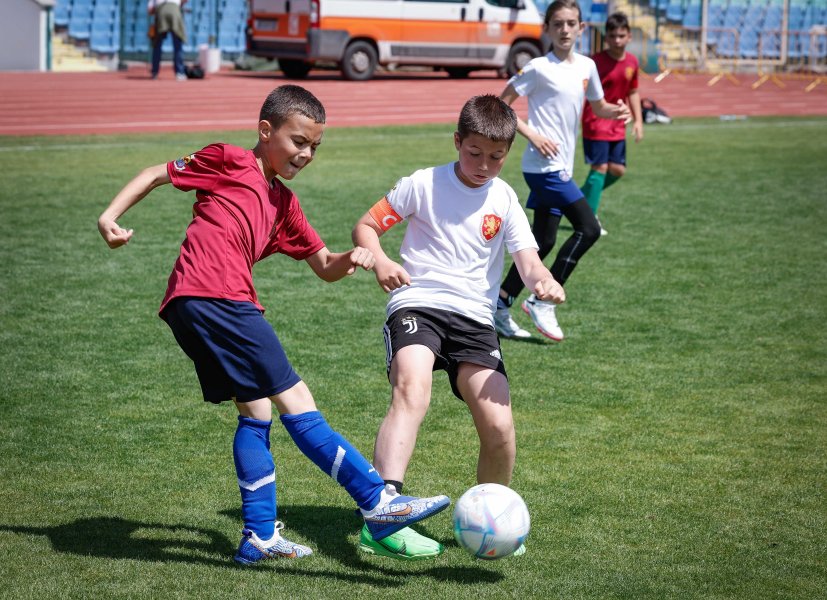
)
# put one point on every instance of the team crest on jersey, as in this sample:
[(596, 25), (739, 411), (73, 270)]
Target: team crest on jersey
[(630, 72), (182, 163), (491, 226)]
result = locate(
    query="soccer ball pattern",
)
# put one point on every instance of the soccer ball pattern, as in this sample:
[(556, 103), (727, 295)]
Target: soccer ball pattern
[(491, 521)]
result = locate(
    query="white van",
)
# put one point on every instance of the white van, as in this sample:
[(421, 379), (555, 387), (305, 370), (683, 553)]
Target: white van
[(458, 36)]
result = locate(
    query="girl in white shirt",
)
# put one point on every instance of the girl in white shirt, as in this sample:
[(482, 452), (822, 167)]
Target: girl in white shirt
[(555, 86)]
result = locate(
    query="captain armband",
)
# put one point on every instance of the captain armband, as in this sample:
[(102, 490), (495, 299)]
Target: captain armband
[(384, 215)]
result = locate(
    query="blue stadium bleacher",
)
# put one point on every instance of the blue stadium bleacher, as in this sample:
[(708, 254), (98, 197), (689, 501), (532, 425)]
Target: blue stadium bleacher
[(674, 11), (693, 13), (61, 12), (218, 23), (80, 19)]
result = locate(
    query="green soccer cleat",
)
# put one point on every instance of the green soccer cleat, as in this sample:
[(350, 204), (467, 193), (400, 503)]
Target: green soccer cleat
[(405, 544), (519, 551)]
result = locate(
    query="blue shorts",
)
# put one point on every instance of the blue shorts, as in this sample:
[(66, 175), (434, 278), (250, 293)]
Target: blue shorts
[(237, 354), (600, 152), (552, 191)]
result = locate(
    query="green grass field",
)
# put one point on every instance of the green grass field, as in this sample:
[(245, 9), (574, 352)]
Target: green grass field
[(674, 446)]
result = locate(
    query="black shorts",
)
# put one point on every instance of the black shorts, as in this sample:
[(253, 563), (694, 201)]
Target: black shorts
[(453, 338)]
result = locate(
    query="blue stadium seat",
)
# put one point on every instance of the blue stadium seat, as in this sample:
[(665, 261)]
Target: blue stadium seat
[(725, 46), (770, 44), (675, 11), (748, 44), (104, 38), (61, 12), (692, 15), (773, 18), (80, 21)]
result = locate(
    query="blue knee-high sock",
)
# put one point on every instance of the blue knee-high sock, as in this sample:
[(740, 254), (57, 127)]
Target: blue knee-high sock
[(334, 455), (256, 475)]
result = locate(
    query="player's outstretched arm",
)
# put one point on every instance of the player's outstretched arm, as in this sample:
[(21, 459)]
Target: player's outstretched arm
[(604, 110), (333, 266), (367, 231), (537, 277), (132, 193)]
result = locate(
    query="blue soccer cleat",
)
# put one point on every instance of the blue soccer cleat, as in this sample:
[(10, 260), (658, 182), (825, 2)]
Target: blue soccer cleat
[(395, 512), (252, 549)]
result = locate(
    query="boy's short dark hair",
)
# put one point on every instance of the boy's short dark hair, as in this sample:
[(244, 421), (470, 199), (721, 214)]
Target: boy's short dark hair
[(559, 5), (288, 100), (488, 116), (616, 21)]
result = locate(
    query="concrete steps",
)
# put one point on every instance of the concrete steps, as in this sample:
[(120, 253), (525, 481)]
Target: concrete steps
[(67, 57)]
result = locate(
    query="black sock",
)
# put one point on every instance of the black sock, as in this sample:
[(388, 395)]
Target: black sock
[(396, 484)]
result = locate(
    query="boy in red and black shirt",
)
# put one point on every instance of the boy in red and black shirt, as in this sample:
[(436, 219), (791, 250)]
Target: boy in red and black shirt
[(242, 214), (604, 140)]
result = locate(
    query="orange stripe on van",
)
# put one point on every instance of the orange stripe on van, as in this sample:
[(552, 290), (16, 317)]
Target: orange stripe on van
[(425, 31)]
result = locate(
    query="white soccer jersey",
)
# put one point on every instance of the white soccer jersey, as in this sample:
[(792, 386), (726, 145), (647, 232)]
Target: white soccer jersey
[(454, 244), (556, 90)]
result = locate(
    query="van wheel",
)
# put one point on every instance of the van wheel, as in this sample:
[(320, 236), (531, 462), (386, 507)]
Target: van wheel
[(294, 69), (359, 61), (458, 72), (520, 54)]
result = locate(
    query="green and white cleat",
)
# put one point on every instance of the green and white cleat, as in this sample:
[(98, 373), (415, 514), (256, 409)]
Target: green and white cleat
[(405, 544), (519, 551)]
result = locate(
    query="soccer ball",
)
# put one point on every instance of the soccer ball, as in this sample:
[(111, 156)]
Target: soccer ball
[(491, 521)]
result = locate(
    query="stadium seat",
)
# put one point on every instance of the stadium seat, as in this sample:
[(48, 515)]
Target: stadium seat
[(770, 44), (61, 12), (748, 44), (80, 21), (692, 15), (104, 38), (675, 11), (725, 46)]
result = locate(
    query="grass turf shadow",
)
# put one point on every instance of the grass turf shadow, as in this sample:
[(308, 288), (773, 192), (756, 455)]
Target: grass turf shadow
[(329, 531)]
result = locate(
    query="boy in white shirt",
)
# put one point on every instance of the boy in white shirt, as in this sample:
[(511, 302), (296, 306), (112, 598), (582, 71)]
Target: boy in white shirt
[(461, 219), (555, 86)]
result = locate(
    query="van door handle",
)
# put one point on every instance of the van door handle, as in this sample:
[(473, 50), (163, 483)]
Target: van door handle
[(462, 14), (287, 6), (482, 13)]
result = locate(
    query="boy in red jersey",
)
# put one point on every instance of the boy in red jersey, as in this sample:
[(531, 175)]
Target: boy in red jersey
[(604, 140), (243, 214)]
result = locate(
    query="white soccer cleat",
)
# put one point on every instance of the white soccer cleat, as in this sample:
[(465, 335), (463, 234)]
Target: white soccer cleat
[(506, 326), (544, 317)]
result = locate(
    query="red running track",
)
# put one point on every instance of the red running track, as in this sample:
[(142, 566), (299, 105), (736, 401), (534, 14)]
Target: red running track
[(130, 102)]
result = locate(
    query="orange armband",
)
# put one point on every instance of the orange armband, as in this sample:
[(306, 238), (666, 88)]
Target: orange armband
[(384, 215)]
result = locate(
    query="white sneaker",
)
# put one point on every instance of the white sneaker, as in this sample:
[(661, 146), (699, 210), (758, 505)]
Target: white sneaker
[(544, 318), (602, 231), (506, 326)]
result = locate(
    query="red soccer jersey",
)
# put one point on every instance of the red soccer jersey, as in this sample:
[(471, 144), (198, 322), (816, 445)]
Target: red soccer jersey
[(239, 218), (619, 78)]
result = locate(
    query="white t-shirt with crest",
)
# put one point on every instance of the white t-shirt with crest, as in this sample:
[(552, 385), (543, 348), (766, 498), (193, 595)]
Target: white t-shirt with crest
[(455, 240)]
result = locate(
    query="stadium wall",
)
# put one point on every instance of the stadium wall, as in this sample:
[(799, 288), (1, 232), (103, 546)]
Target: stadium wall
[(25, 35)]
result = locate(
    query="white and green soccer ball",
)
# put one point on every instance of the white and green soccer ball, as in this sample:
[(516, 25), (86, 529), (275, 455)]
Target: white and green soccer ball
[(491, 521)]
